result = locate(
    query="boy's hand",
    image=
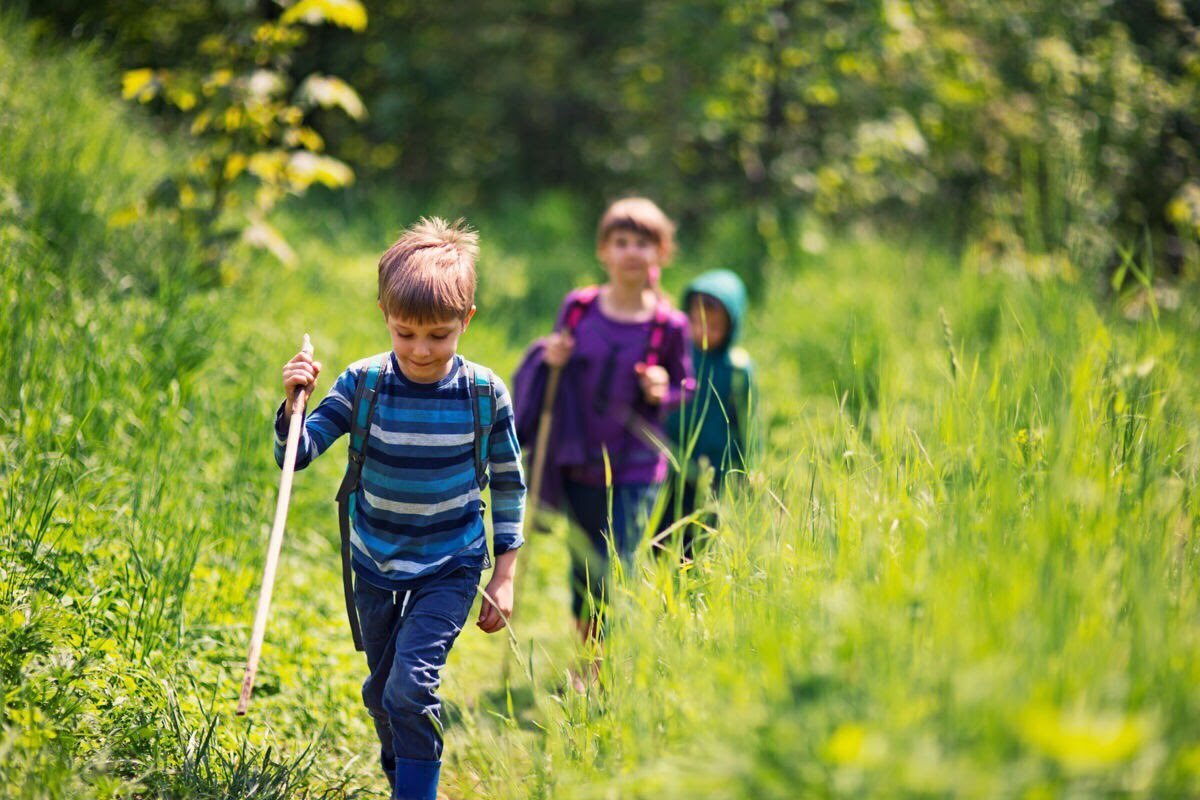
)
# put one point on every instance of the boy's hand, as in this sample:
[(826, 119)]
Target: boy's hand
[(494, 612), (301, 371), (655, 381), (558, 349)]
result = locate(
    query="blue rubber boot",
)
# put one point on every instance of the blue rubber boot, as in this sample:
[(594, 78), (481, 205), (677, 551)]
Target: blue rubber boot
[(416, 780)]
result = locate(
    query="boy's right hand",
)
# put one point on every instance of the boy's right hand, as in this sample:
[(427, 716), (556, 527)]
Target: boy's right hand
[(558, 349), (301, 371)]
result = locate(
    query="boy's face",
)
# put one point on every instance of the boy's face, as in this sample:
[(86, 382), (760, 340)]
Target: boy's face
[(628, 257), (709, 321), (425, 350)]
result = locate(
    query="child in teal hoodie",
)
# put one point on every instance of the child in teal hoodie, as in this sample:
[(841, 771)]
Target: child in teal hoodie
[(716, 422)]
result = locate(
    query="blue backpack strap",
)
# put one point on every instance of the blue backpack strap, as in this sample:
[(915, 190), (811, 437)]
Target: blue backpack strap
[(361, 412), (366, 394), (483, 413)]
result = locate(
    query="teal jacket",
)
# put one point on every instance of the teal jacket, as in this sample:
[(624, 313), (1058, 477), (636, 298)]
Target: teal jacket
[(719, 415)]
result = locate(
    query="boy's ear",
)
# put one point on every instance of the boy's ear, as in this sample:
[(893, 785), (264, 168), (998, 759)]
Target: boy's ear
[(468, 317)]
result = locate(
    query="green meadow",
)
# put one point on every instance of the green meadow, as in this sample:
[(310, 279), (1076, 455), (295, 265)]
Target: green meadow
[(964, 563)]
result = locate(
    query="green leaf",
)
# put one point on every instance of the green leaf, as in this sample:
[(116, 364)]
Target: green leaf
[(329, 92), (262, 236), (305, 169), (139, 84), (344, 13)]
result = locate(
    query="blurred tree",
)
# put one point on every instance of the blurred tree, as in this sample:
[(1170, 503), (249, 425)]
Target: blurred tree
[(223, 72), (1028, 126), (239, 99), (1040, 127)]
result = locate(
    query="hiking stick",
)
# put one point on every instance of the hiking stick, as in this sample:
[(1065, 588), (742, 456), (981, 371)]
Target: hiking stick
[(281, 509), (545, 420)]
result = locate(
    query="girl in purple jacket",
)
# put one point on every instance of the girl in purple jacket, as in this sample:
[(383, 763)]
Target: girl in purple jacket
[(626, 363)]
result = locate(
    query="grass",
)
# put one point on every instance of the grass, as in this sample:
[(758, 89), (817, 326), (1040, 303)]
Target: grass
[(979, 585), (111, 488), (963, 564), (973, 580)]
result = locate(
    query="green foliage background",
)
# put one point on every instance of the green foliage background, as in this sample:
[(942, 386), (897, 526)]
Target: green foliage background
[(966, 562), (1046, 126)]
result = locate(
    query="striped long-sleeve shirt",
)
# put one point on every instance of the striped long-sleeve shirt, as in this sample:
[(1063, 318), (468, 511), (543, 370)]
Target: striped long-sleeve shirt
[(419, 513)]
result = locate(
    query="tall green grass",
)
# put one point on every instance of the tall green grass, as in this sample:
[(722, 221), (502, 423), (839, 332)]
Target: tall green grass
[(113, 481), (963, 564)]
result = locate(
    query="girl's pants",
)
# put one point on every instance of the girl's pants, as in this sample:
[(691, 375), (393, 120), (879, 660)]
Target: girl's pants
[(407, 637), (589, 507)]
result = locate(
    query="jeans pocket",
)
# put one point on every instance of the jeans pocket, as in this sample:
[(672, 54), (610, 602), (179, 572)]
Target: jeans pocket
[(469, 585), (466, 585)]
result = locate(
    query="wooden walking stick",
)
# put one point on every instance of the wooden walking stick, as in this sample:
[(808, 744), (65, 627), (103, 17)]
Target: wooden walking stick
[(545, 420), (281, 509)]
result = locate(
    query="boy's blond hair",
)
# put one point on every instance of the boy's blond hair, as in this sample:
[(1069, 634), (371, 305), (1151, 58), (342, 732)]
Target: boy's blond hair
[(428, 275), (639, 215)]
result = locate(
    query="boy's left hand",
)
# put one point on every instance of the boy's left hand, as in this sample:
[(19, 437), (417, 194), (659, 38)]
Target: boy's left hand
[(655, 381), (494, 612)]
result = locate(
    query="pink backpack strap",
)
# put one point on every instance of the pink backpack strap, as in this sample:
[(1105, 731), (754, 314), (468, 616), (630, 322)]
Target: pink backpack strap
[(580, 303), (585, 298), (658, 333)]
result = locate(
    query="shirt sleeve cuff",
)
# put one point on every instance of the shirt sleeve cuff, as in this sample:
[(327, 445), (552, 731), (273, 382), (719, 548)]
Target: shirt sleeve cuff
[(281, 422), (505, 544)]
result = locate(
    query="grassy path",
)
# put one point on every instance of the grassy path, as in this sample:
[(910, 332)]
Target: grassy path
[(965, 565)]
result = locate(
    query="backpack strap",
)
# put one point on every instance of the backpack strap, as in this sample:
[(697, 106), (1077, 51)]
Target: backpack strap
[(585, 298), (580, 303), (658, 334), (483, 412), (366, 395)]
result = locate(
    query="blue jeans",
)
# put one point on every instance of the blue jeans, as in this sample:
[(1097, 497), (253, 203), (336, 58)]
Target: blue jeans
[(631, 505), (407, 637)]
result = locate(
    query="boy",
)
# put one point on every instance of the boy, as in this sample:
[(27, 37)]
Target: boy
[(719, 415), (416, 534)]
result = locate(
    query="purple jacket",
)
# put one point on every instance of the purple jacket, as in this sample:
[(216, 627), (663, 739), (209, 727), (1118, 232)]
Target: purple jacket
[(600, 404)]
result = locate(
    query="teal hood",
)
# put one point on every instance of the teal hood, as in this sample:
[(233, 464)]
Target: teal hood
[(716, 419), (726, 287)]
